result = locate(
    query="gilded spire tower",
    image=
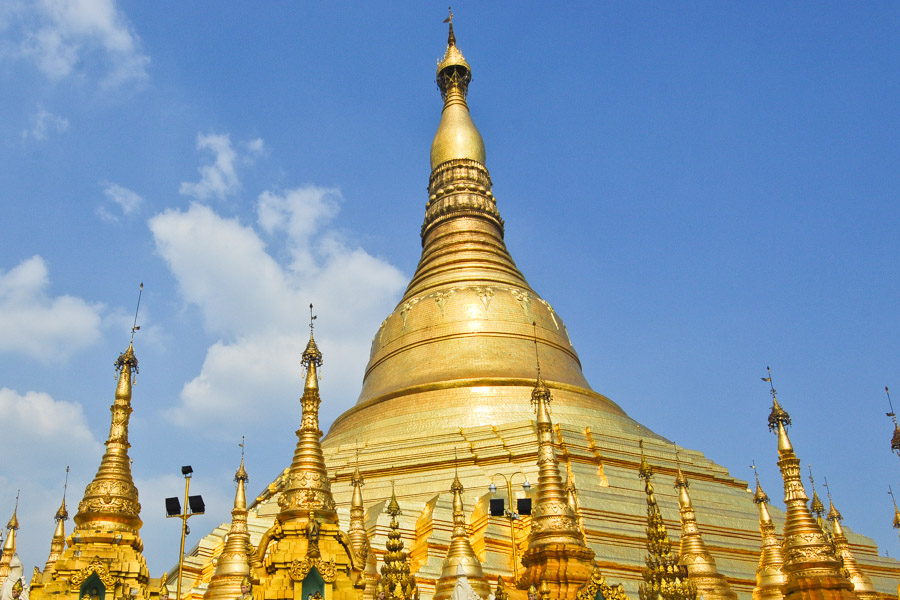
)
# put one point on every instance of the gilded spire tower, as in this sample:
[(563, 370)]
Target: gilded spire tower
[(234, 561), (105, 547), (58, 542), (810, 566), (770, 577), (305, 552), (701, 566), (557, 554), (9, 546)]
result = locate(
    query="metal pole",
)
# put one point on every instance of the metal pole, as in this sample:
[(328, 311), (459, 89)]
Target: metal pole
[(184, 518), (512, 531)]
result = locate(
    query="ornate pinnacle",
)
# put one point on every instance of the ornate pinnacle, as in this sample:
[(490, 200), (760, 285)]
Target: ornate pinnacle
[(664, 576), (307, 494), (778, 414), (816, 505), (110, 501), (759, 497)]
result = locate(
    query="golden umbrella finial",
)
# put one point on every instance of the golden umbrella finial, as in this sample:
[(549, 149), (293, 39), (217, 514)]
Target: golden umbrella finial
[(895, 439), (816, 506)]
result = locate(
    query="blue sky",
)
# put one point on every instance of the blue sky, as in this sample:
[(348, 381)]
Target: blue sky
[(699, 189)]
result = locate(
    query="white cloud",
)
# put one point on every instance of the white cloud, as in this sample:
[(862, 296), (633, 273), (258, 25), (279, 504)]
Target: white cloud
[(44, 123), (40, 326), (218, 179), (41, 436), (258, 306), (65, 36), (127, 200)]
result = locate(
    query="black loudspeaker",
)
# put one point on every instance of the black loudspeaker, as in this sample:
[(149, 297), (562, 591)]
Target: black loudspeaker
[(523, 506), (497, 508)]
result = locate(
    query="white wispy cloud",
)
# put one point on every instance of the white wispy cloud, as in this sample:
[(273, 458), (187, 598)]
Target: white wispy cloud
[(218, 178), (257, 306), (41, 436), (64, 36), (44, 123), (127, 200), (38, 325)]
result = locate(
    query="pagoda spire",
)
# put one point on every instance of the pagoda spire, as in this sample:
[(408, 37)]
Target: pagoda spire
[(701, 566), (110, 501), (396, 580), (359, 539), (665, 578), (234, 561), (9, 546), (461, 560), (862, 585), (769, 574), (896, 510), (810, 566), (58, 543), (556, 548), (105, 544), (307, 493)]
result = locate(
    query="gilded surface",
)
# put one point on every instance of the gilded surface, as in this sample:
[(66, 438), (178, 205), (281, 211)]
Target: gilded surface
[(701, 566), (233, 565), (770, 577), (95, 567), (809, 561)]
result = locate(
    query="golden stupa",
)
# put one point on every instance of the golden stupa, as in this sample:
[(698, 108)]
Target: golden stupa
[(445, 410)]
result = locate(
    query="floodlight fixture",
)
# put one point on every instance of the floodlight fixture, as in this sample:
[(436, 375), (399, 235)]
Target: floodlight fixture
[(173, 507), (196, 504)]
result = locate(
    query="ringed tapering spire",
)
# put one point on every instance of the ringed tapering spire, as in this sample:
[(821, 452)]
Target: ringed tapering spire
[(556, 546), (111, 500), (665, 578), (9, 546), (307, 492), (811, 568), (359, 539), (701, 566), (58, 543), (461, 559), (862, 585), (234, 561), (770, 577)]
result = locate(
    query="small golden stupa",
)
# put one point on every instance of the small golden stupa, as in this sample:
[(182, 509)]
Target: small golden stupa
[(305, 554)]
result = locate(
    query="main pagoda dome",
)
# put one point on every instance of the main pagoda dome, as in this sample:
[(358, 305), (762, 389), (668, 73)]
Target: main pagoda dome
[(459, 350)]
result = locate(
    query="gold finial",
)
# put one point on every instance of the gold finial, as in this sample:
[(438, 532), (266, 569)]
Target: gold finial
[(816, 506), (241, 474), (644, 470), (896, 510), (833, 513), (14, 521), (62, 514), (759, 496), (778, 414), (312, 355), (895, 439), (135, 326), (540, 395)]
